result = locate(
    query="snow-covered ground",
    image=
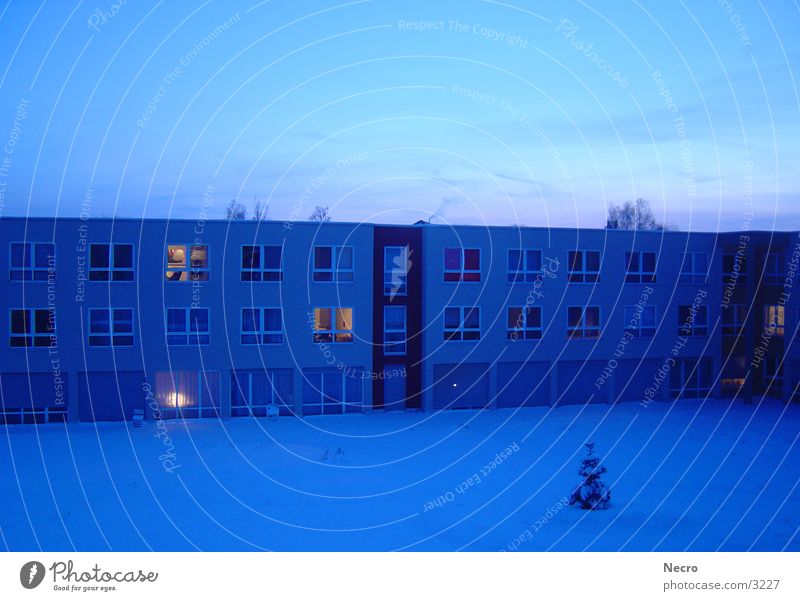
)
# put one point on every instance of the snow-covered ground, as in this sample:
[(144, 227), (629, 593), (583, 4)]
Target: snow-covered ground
[(688, 475)]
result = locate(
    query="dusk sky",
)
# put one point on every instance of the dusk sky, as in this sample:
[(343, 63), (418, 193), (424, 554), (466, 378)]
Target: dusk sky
[(471, 112)]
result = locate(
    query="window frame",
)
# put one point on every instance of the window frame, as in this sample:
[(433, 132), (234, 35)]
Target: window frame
[(261, 271), (737, 276), (640, 275), (693, 276), (777, 277), (334, 270), (346, 405), (583, 275), (187, 331), (513, 332), (581, 327), (733, 328), (201, 409), (387, 344), (773, 372), (112, 333), (252, 409), (111, 270), (188, 269), (322, 336), (696, 326), (30, 336), (461, 272), (261, 332), (640, 330), (461, 329), (684, 368), (390, 286), (779, 331), (524, 275), (33, 269)]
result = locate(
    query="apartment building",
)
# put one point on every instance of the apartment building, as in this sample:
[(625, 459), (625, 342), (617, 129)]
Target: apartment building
[(217, 319)]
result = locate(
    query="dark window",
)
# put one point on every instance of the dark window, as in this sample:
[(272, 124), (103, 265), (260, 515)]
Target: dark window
[(262, 264), (462, 323), (111, 262), (693, 320), (640, 267), (524, 265), (32, 262), (524, 323), (583, 322), (333, 264), (188, 326), (462, 265), (584, 266), (111, 327), (32, 328)]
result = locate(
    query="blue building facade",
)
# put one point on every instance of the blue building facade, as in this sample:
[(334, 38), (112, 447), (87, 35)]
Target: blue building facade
[(218, 319)]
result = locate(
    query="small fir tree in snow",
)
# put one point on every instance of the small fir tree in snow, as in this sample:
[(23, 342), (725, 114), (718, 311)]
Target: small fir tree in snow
[(592, 492)]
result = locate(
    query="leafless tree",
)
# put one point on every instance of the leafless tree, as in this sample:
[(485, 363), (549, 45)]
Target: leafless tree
[(634, 216), (320, 215), (260, 210), (236, 211)]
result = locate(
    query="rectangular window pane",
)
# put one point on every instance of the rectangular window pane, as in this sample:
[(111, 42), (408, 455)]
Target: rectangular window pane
[(344, 319), (20, 321), (272, 257), (322, 257), (251, 257), (176, 256), (251, 320), (198, 320), (452, 259), (176, 320), (20, 254), (123, 256), (99, 321), (99, 256), (394, 317), (44, 252), (272, 320), (123, 321), (345, 258), (472, 259), (534, 260), (322, 319), (199, 257)]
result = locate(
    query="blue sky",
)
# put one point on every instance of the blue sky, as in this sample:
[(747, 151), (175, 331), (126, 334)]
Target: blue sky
[(495, 112)]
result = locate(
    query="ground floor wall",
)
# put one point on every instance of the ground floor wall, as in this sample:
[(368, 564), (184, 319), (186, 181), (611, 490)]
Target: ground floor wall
[(38, 397)]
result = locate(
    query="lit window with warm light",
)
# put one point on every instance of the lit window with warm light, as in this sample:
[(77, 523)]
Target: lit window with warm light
[(187, 262), (774, 320), (333, 324)]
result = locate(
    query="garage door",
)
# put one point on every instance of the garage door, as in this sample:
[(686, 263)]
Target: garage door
[(576, 382), (633, 377), (523, 384), (27, 398), (461, 386), (107, 396)]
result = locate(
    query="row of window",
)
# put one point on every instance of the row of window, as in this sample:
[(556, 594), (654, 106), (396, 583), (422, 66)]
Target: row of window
[(525, 323), (35, 261), (264, 325), (31, 328)]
